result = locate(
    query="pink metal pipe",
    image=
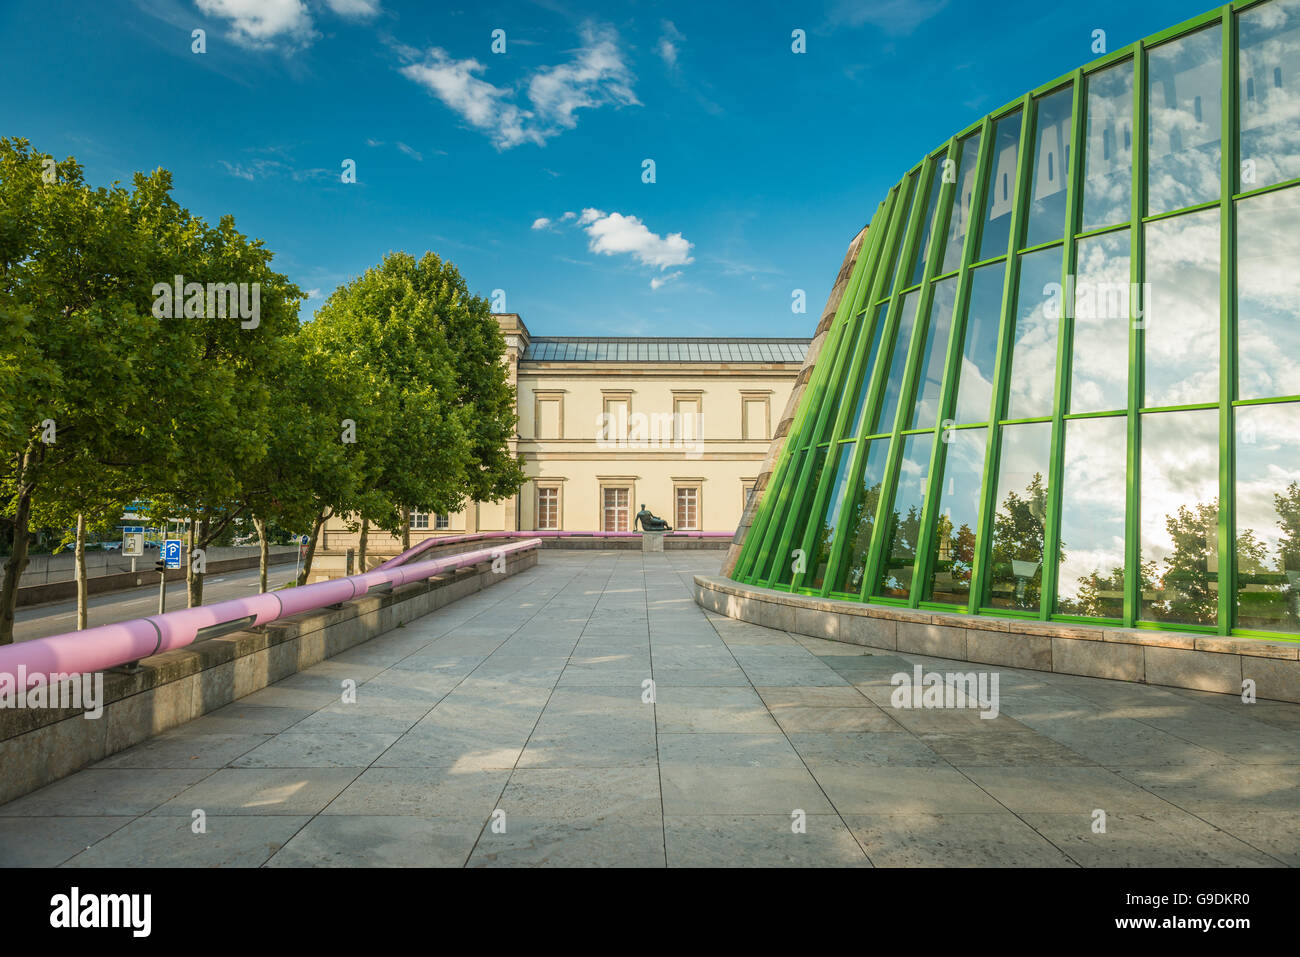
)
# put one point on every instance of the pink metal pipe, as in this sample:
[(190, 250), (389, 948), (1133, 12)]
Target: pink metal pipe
[(436, 540), (107, 646)]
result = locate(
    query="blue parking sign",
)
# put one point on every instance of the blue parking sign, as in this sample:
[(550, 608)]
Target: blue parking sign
[(172, 553)]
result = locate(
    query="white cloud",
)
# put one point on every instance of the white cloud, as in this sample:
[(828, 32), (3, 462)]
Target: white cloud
[(258, 24), (668, 44), (895, 17), (354, 8), (658, 281), (596, 76), (409, 151), (541, 222), (614, 234)]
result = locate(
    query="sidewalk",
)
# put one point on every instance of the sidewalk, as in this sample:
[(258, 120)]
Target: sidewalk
[(526, 700)]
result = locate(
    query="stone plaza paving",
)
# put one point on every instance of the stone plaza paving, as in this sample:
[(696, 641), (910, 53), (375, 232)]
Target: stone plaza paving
[(527, 700)]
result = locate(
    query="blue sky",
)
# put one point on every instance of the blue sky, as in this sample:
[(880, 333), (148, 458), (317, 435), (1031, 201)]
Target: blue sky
[(767, 162)]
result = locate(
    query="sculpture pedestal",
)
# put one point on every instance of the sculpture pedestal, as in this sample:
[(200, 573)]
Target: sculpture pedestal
[(652, 541)]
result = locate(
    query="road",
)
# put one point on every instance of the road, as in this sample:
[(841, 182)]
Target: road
[(58, 617)]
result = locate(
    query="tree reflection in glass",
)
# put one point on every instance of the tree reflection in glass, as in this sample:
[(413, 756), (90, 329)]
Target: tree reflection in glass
[(1093, 491), (953, 555), (1268, 517), (861, 519), (900, 536), (1016, 567), (1180, 511)]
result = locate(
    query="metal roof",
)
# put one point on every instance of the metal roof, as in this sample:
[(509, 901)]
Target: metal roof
[(631, 349)]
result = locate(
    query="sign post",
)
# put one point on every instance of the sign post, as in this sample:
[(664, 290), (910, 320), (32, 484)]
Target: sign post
[(133, 544), (171, 558)]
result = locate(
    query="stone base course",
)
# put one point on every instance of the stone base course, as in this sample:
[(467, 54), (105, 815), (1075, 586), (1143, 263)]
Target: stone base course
[(1175, 659)]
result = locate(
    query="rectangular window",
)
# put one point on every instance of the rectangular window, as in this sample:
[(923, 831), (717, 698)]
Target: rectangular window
[(898, 550), (963, 196), (1268, 295), (1099, 364), (548, 507), (825, 539), (980, 345), (1108, 163), (1269, 64), (862, 519), (1093, 504), (1181, 310), (925, 412), (884, 420), (1185, 80), (1180, 515), (688, 509), (1268, 517), (419, 520), (441, 521), (785, 570), (755, 419), (615, 509), (927, 225), (1002, 187), (953, 554), (1032, 374), (1016, 565), (615, 421), (896, 262), (1051, 168), (548, 419), (869, 364)]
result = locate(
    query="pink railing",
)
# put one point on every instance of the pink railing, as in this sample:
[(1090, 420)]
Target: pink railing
[(108, 646)]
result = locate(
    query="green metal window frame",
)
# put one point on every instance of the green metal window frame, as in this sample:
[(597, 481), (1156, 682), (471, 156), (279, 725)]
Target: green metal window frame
[(881, 275)]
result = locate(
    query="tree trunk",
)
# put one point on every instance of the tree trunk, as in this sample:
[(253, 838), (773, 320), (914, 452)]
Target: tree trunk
[(263, 553), (81, 572), (361, 545), (17, 560), (406, 528), (311, 548), (197, 538)]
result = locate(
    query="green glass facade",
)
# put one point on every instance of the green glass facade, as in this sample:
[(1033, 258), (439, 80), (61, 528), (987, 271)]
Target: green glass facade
[(1064, 383)]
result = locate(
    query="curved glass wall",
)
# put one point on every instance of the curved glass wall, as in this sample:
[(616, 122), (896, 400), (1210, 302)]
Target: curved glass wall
[(1065, 383)]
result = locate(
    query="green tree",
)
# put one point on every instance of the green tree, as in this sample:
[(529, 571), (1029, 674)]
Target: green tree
[(435, 352)]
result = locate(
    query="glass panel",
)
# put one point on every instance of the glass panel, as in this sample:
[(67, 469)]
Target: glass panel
[(1180, 514), (1032, 373), (898, 549), (803, 509), (1092, 518), (826, 532), (884, 421), (936, 186), (1099, 365), (1185, 82), (780, 494), (873, 357), (895, 260), (1181, 309), (980, 348), (1268, 517), (962, 197), (1016, 570), (1268, 295), (1108, 167), (862, 519), (1051, 169), (1002, 188), (925, 413), (1269, 93), (953, 557)]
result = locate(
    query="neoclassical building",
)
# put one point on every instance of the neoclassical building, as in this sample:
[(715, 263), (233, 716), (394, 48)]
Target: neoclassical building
[(608, 423)]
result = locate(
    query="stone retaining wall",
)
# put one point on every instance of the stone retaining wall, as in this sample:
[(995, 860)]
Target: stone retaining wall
[(1176, 659), (38, 746)]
